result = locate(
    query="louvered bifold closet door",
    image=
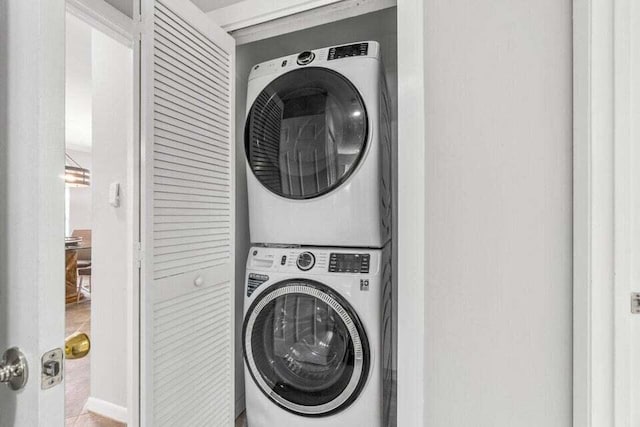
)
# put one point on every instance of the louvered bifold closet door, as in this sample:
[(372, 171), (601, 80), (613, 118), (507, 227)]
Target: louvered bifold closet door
[(187, 99)]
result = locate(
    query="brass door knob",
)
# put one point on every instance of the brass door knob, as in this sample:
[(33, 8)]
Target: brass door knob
[(77, 345)]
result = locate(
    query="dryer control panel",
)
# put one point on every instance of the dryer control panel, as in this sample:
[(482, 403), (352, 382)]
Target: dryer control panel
[(349, 263), (358, 49), (323, 57)]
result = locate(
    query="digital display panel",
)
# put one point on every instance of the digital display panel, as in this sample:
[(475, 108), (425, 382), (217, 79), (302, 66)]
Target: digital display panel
[(359, 49), (349, 263)]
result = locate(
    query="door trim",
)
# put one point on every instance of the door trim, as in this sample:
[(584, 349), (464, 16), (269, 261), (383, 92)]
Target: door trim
[(251, 12), (253, 30), (602, 118), (103, 17)]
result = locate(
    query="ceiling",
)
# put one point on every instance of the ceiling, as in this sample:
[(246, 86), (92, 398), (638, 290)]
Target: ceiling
[(124, 6), (78, 84), (209, 5)]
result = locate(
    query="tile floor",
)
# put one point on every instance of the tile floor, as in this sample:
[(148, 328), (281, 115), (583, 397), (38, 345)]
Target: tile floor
[(241, 421), (77, 380)]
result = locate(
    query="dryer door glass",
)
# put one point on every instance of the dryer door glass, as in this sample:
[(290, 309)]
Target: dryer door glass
[(306, 133), (305, 348)]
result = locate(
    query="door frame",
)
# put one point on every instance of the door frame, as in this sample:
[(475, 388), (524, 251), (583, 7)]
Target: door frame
[(601, 211), (411, 174), (603, 137), (105, 18)]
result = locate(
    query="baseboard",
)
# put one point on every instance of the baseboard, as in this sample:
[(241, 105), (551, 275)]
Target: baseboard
[(240, 405), (107, 409)]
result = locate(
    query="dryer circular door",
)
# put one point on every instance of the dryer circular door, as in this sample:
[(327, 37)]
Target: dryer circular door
[(306, 132), (305, 348)]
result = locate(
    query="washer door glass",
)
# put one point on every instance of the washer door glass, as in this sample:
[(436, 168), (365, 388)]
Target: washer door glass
[(305, 348), (306, 133)]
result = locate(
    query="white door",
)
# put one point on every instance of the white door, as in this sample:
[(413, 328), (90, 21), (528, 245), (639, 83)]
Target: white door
[(187, 211), (32, 201)]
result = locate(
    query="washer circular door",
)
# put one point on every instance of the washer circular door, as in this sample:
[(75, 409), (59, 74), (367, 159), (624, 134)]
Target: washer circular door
[(306, 132), (305, 348)]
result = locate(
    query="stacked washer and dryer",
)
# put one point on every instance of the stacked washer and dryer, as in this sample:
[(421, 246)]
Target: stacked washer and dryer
[(318, 325)]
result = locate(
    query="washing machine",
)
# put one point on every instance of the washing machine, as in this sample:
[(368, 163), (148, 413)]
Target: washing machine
[(318, 148), (317, 337)]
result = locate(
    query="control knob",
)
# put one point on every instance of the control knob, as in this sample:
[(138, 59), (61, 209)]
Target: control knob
[(305, 57), (305, 261)]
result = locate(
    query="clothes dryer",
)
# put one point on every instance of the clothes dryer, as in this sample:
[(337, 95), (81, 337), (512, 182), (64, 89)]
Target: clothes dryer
[(318, 147), (317, 337)]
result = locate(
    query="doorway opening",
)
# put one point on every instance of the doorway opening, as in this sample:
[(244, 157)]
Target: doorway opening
[(99, 220)]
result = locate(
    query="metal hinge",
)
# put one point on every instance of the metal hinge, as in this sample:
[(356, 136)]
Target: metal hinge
[(635, 302), (139, 254)]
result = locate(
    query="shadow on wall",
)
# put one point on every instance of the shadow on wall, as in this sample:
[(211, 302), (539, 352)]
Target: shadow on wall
[(7, 397)]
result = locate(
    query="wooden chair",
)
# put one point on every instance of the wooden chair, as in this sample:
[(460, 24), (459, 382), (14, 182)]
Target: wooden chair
[(84, 273), (84, 255), (84, 262)]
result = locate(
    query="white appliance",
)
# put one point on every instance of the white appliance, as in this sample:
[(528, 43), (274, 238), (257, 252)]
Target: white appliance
[(318, 148), (317, 337)]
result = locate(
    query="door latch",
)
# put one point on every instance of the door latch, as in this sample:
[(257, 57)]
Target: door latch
[(14, 370), (52, 368), (635, 302)]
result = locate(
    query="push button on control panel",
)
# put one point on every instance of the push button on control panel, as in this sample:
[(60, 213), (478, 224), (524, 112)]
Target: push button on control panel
[(283, 260)]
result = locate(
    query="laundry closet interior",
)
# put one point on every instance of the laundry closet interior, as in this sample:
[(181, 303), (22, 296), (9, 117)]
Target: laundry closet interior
[(377, 26)]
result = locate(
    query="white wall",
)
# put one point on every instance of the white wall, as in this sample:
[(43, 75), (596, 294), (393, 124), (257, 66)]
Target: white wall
[(498, 297), (77, 117), (77, 95), (379, 26), (79, 209), (112, 135)]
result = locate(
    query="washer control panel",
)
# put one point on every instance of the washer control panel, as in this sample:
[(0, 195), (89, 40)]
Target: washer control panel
[(349, 263), (305, 261), (263, 261)]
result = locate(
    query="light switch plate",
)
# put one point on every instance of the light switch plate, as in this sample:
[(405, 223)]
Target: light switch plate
[(114, 194)]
